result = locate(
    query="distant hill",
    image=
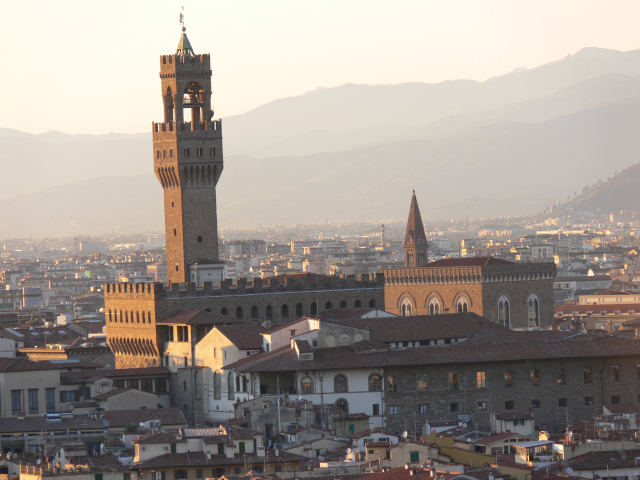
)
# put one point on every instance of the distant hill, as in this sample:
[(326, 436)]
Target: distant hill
[(619, 192), (505, 146)]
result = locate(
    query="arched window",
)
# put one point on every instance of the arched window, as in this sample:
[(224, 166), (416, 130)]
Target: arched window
[(357, 304), (224, 311), (375, 382), (504, 312), (137, 317), (343, 405), (328, 306), (462, 306), (230, 385), (254, 312), (126, 316), (239, 315), (434, 307), (285, 311), (144, 318), (406, 308), (110, 315), (343, 304), (306, 386), (314, 309), (299, 311), (340, 384), (269, 313), (372, 303), (533, 311), (149, 317), (238, 384)]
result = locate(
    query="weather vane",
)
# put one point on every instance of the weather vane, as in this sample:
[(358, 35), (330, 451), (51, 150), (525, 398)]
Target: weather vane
[(182, 19)]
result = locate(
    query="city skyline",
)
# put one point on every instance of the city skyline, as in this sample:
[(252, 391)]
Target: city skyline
[(101, 59)]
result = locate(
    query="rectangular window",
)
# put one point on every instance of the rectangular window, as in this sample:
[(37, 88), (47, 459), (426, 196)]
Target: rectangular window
[(453, 407), (376, 409), (509, 405), (421, 382), (508, 379), (171, 153), (562, 376), (414, 457), (562, 402), (180, 474), (588, 401), (212, 151), (199, 473), (161, 385), (519, 422), (50, 398), (187, 152), (242, 449), (392, 383), (118, 384), (221, 449), (534, 377), (164, 154), (199, 149), (157, 153), (393, 409), (588, 374), (615, 399), (33, 401), (423, 408), (146, 385), (16, 402), (453, 380), (482, 406), (481, 380), (535, 403), (614, 373)]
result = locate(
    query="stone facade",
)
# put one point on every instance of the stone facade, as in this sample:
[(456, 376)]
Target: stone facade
[(553, 403), (188, 160), (132, 310), (479, 285)]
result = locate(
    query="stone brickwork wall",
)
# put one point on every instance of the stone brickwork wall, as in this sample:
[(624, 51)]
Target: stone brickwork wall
[(545, 397), (136, 341), (189, 393), (481, 288)]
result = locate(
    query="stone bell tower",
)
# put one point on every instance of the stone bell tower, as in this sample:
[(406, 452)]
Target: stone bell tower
[(415, 240), (187, 156)]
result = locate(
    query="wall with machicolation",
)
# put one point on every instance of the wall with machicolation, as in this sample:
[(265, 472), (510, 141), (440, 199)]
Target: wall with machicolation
[(136, 343)]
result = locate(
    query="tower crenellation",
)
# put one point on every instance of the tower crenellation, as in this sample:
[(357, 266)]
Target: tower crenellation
[(188, 162)]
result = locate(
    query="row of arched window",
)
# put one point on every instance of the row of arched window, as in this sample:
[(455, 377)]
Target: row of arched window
[(341, 383), (235, 384), (285, 312), (128, 316), (504, 309)]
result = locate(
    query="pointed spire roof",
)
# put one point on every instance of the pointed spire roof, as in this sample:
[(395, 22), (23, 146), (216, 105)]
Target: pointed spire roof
[(415, 229), (184, 47)]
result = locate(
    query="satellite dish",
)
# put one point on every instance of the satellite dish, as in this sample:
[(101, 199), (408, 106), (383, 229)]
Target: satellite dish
[(569, 470), (348, 451), (569, 434), (404, 434)]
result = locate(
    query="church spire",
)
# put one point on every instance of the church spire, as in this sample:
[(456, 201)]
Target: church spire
[(415, 240)]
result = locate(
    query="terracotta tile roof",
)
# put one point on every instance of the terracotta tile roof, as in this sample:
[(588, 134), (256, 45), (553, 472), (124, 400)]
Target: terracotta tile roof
[(218, 439), (21, 364), (200, 459), (470, 262), (196, 317), (344, 313), (490, 346), (283, 326), (38, 424), (98, 462), (422, 327), (303, 346), (581, 278), (596, 309), (122, 418), (86, 375), (245, 337), (622, 408), (159, 437), (112, 393), (401, 473), (608, 460)]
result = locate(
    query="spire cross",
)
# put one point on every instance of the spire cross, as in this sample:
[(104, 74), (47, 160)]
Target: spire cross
[(182, 19)]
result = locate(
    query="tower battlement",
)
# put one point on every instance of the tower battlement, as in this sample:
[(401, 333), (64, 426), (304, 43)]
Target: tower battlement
[(186, 130), (177, 62)]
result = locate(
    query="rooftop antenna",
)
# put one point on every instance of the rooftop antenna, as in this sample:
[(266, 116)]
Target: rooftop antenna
[(184, 29)]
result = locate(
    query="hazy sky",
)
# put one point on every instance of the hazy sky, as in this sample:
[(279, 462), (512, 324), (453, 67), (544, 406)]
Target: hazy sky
[(92, 66)]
